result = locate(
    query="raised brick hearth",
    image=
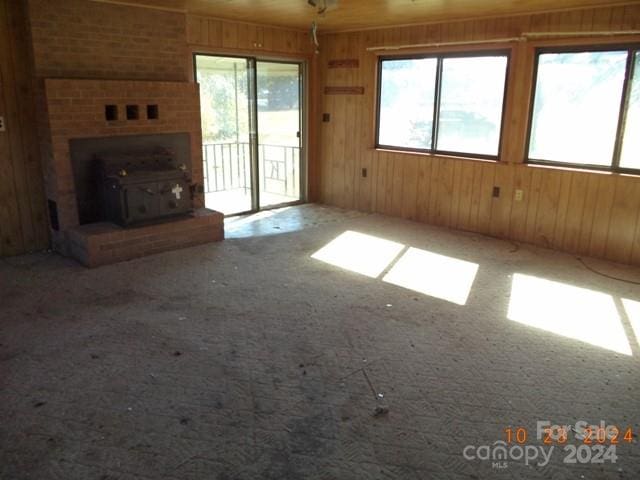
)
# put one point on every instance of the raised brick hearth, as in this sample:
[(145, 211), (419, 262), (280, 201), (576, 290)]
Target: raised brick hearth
[(85, 109), (102, 243)]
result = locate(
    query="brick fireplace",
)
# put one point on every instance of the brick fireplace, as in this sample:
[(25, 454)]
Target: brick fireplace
[(119, 114)]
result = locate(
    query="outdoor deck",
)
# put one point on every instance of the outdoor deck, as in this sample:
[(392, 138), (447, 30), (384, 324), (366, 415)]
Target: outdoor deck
[(227, 178)]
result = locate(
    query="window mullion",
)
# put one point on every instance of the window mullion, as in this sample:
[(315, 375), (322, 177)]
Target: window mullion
[(378, 100), (436, 106), (624, 105)]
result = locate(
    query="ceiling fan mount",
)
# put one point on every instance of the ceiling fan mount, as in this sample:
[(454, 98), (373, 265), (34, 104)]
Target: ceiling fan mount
[(323, 5)]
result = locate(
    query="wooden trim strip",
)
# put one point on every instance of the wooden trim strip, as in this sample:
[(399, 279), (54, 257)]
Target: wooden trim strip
[(612, 33), (345, 63), (142, 5)]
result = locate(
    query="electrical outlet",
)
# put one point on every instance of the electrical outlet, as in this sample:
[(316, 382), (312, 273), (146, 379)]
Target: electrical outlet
[(518, 195), (496, 192), (2, 128), (364, 173)]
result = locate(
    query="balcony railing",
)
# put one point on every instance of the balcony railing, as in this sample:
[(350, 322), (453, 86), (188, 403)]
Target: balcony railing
[(227, 166)]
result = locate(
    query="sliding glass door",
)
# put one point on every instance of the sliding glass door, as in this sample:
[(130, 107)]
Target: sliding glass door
[(278, 132), (251, 132)]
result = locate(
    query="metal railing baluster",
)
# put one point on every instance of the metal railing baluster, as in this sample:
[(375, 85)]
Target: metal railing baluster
[(225, 170), (215, 166)]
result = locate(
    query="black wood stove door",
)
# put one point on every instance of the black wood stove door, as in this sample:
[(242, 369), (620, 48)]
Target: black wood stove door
[(173, 197), (140, 202), (148, 201)]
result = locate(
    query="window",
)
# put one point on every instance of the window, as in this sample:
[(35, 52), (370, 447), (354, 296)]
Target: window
[(630, 155), (471, 104), (407, 100), (450, 104), (586, 109)]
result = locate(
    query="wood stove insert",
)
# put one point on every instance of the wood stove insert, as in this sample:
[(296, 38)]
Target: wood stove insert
[(142, 188)]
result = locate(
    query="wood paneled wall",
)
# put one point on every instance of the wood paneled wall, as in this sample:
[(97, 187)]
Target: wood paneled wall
[(595, 214), (258, 39), (23, 222)]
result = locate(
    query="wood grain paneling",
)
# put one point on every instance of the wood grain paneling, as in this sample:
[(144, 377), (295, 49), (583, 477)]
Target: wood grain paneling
[(344, 63), (343, 90), (588, 213), (23, 222), (358, 14), (213, 33)]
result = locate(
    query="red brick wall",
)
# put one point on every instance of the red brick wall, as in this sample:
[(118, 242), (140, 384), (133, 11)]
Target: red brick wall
[(82, 39), (76, 109), (85, 39)]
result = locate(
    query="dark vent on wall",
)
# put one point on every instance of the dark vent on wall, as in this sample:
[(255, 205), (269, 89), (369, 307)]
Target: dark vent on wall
[(110, 113), (152, 112), (132, 112)]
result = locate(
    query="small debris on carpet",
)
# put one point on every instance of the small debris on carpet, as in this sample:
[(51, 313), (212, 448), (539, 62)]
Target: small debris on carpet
[(380, 410)]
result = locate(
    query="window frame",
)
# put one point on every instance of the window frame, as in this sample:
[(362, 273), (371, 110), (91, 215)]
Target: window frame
[(440, 56), (632, 49)]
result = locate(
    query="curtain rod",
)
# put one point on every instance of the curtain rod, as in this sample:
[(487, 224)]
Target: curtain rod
[(581, 34), (444, 44), (522, 38)]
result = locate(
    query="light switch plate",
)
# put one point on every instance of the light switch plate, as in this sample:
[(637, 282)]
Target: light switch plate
[(2, 129)]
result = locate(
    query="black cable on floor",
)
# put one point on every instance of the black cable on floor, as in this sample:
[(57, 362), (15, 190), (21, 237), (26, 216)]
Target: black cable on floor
[(591, 269)]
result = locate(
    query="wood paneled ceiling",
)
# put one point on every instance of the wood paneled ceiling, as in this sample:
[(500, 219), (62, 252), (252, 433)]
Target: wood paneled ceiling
[(360, 14)]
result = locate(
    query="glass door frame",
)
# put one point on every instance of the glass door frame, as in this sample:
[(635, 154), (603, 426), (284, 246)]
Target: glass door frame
[(303, 103)]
